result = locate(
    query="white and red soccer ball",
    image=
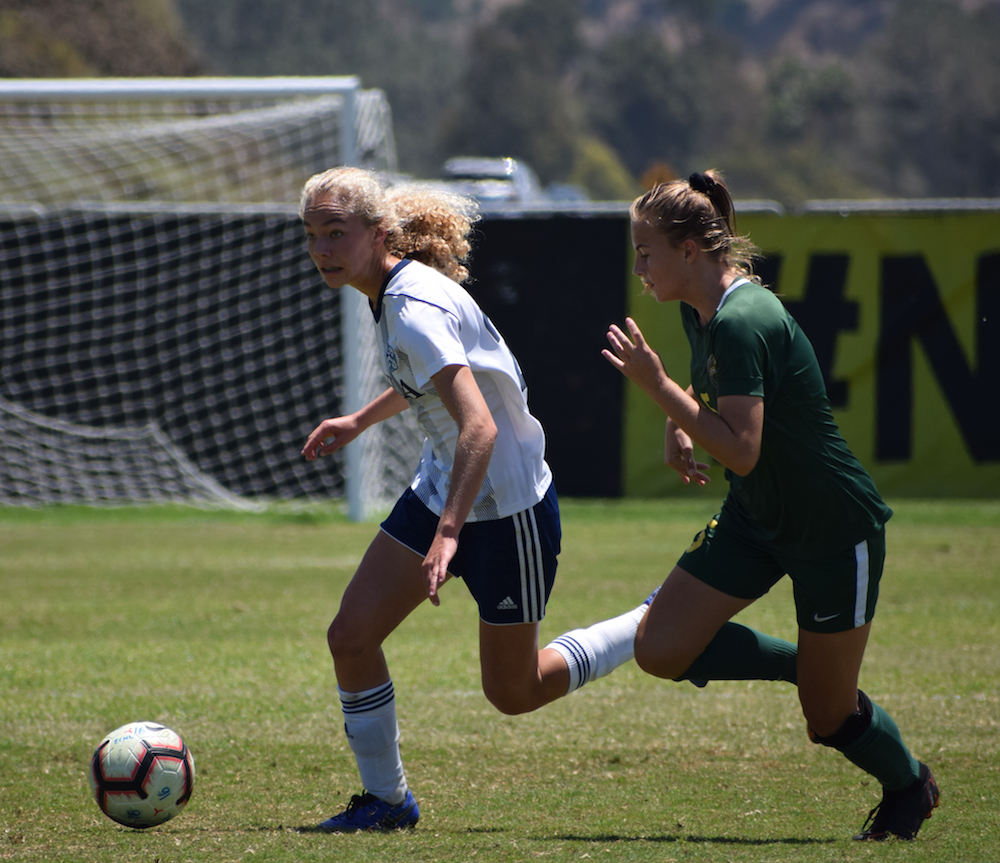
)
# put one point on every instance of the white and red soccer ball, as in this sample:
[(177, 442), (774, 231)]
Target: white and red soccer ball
[(142, 774)]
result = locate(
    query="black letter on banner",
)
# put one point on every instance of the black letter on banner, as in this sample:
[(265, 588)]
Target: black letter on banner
[(823, 313), (912, 309)]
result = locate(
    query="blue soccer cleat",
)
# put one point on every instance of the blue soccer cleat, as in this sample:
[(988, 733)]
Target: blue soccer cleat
[(368, 812)]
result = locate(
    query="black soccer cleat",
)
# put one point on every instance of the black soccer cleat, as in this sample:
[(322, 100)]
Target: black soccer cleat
[(902, 813)]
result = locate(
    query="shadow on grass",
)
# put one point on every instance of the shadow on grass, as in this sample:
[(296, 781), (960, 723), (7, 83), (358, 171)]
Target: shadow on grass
[(312, 828), (704, 840), (574, 837)]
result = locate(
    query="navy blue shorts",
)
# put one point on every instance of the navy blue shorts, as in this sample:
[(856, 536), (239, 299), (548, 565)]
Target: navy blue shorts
[(509, 565)]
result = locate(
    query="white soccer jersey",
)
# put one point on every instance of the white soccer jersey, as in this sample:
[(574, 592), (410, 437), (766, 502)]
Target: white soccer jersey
[(425, 322)]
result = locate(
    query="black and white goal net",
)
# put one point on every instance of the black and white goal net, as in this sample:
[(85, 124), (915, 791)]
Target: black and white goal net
[(163, 334)]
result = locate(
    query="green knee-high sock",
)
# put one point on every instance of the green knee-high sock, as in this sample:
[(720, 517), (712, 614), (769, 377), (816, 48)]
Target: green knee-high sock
[(880, 751), (740, 653)]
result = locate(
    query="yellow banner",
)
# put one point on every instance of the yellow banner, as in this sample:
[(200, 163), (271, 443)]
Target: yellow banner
[(904, 312)]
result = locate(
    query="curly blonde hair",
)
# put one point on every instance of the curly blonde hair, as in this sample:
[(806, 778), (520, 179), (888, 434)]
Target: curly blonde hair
[(423, 223)]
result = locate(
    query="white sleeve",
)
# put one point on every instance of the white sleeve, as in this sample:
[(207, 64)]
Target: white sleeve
[(431, 337)]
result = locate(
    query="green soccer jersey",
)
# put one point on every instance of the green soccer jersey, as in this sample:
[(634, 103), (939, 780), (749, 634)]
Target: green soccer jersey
[(808, 495)]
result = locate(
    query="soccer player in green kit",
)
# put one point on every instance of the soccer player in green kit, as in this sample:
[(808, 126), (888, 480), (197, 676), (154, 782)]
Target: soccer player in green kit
[(799, 501)]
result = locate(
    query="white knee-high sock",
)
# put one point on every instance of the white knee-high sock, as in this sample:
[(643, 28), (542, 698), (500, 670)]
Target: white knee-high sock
[(599, 649), (373, 733)]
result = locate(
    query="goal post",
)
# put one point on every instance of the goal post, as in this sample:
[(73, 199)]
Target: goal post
[(153, 276)]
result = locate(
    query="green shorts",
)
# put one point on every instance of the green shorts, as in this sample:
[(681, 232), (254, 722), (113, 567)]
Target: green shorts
[(834, 593)]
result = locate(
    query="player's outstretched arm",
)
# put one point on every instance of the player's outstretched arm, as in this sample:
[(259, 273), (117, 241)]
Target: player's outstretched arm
[(336, 432)]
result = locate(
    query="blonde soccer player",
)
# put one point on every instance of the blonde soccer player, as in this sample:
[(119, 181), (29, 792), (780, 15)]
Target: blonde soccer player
[(481, 507)]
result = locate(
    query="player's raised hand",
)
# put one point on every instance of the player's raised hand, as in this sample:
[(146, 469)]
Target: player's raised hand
[(633, 357)]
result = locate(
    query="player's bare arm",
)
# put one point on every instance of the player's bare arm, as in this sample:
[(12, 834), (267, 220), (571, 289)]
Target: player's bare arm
[(336, 432), (456, 385), (731, 436)]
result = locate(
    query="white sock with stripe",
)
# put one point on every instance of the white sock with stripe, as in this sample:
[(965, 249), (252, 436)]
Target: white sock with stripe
[(373, 734), (599, 649)]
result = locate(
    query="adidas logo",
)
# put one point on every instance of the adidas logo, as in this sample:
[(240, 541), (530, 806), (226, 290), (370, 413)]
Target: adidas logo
[(507, 604)]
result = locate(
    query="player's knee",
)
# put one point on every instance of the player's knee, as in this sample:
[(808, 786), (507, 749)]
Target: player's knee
[(333, 638), (509, 700), (841, 733), (343, 641), (507, 703), (653, 659)]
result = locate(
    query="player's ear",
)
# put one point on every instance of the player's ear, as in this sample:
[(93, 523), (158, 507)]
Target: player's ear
[(690, 250)]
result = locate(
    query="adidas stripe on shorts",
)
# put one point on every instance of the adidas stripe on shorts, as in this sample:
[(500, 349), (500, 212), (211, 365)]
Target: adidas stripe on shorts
[(509, 565)]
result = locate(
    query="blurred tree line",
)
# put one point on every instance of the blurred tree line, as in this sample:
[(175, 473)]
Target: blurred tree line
[(93, 38), (792, 99)]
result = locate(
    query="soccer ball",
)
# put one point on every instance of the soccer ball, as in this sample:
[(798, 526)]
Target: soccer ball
[(142, 774)]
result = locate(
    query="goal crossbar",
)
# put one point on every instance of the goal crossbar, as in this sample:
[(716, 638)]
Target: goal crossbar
[(53, 90), (149, 89)]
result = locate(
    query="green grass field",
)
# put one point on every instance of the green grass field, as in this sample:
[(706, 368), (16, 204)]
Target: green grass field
[(214, 623)]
